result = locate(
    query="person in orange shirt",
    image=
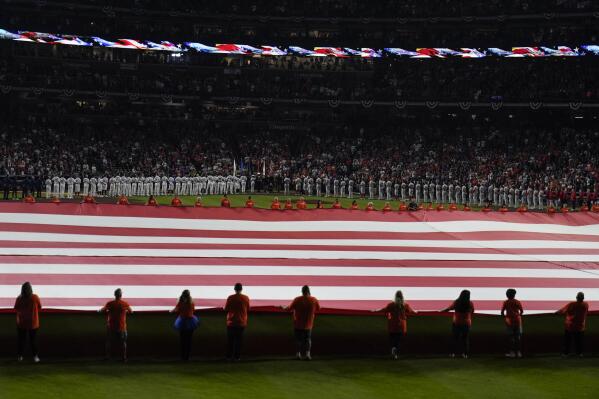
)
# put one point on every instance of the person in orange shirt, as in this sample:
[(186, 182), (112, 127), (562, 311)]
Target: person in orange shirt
[(116, 323), (584, 207), (237, 308), (176, 202), (288, 204), (575, 324), (27, 307), (249, 203), (467, 208), (387, 207), (224, 202), (462, 321), (522, 208), (336, 204), (453, 207), (370, 207), (397, 313), (564, 208), (88, 199), (198, 203), (354, 205), (403, 207), (512, 311), (440, 207), (319, 204), (595, 207), (152, 201), (304, 309), (123, 200), (275, 204), (301, 204), (504, 208), (186, 322), (29, 199)]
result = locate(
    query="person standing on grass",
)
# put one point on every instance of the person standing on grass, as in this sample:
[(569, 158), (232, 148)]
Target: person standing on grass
[(575, 324), (304, 310), (512, 311), (116, 323), (397, 313), (186, 322), (27, 307), (462, 322), (237, 308)]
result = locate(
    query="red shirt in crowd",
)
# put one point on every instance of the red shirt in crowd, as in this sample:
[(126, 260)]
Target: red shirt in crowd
[(29, 199), (152, 202), (176, 202), (27, 310), (249, 203), (275, 205), (116, 315), (225, 203), (123, 200), (198, 203), (304, 310), (301, 204), (387, 208), (402, 207), (88, 199), (397, 318), (336, 205), (354, 206), (288, 204), (237, 308), (370, 207)]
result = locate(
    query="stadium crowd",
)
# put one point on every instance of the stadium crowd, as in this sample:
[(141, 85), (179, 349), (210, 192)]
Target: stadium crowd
[(428, 164)]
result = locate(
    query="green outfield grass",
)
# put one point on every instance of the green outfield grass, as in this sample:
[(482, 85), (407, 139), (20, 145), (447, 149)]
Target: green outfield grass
[(264, 200), (322, 378)]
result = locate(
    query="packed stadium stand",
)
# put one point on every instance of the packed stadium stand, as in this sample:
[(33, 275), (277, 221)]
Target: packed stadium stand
[(510, 123)]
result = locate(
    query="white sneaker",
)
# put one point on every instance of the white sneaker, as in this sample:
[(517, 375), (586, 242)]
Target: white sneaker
[(36, 359), (519, 354), (298, 355), (452, 355), (394, 353), (510, 354), (465, 356), (20, 359), (308, 357)]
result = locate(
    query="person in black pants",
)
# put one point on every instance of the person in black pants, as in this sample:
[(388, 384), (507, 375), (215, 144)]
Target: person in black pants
[(575, 324), (237, 308), (27, 307), (186, 323)]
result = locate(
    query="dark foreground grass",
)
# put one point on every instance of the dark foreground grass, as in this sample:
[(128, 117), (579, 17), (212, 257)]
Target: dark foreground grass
[(322, 378)]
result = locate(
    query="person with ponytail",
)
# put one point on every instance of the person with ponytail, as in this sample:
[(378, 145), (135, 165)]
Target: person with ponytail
[(462, 322), (397, 313), (186, 322), (27, 307)]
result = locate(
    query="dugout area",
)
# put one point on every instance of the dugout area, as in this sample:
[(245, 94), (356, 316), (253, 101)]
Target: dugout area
[(270, 334)]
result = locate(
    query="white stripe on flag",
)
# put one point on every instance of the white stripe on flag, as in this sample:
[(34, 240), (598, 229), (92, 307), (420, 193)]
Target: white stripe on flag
[(301, 254), (288, 293), (460, 226), (232, 270), (491, 244)]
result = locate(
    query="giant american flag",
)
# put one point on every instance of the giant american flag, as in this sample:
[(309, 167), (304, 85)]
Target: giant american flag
[(75, 255)]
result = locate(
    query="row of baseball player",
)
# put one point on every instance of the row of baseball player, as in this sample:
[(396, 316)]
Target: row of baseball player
[(70, 187)]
